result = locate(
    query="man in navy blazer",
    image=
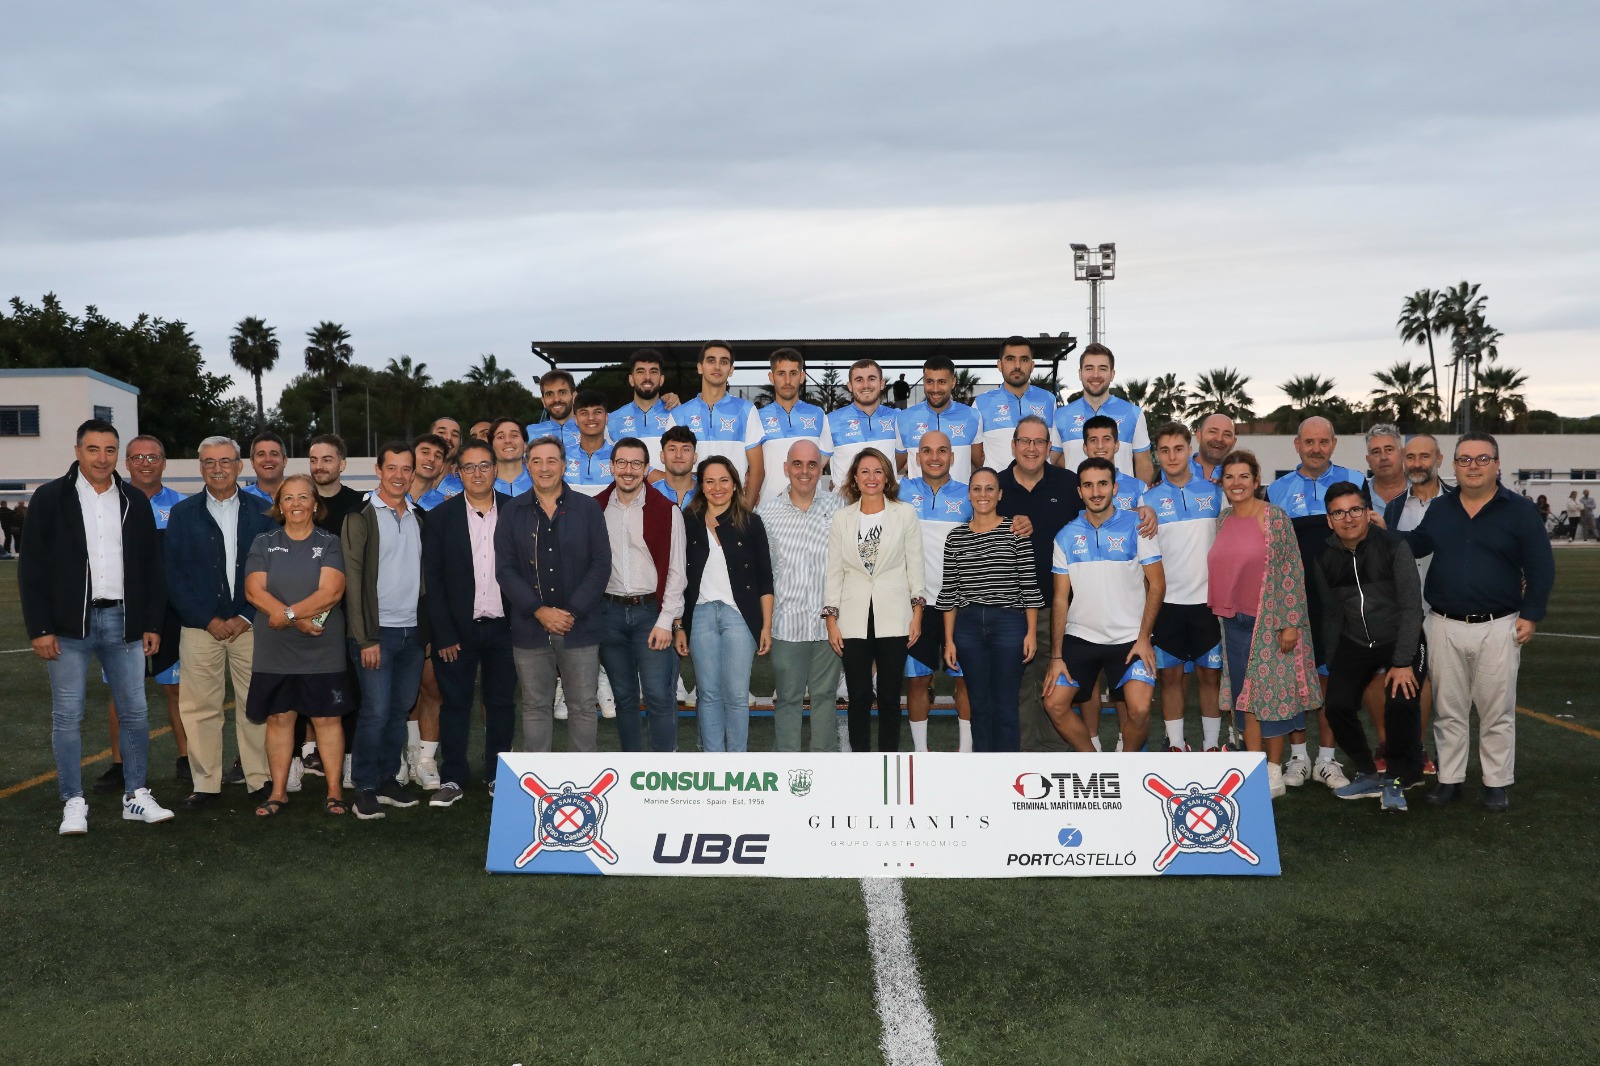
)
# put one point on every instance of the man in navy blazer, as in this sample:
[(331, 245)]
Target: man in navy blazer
[(553, 558), (471, 622)]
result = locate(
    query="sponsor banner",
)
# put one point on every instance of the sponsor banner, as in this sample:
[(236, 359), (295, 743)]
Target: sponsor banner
[(939, 814)]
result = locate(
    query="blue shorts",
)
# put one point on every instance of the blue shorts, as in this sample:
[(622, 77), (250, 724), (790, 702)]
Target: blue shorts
[(915, 668), (169, 676)]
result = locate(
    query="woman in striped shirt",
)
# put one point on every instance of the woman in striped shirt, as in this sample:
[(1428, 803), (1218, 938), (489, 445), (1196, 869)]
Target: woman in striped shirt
[(991, 596)]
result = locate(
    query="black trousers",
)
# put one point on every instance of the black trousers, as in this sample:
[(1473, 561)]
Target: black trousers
[(889, 654), (486, 654), (1350, 669)]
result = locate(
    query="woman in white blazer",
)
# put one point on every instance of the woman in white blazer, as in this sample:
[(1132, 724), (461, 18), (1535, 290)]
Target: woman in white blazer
[(872, 598)]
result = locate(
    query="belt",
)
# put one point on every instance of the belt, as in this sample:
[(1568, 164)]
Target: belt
[(102, 604), (1475, 619), (630, 601), (486, 618)]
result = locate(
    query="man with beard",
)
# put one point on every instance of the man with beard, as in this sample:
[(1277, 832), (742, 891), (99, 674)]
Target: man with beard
[(1097, 369), (448, 430), (327, 468), (866, 422), (1001, 410), (938, 412), (556, 390), (648, 415), (788, 419)]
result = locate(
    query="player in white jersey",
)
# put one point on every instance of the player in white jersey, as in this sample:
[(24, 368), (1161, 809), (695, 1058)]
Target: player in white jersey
[(789, 418), (942, 504), (1187, 636), (1001, 410), (959, 423), (866, 422), (1109, 585), (724, 424), (1096, 372)]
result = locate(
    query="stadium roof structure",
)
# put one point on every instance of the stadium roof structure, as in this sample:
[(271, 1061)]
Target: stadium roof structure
[(892, 353)]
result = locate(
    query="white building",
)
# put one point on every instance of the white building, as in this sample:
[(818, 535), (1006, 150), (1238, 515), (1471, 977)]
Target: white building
[(40, 411)]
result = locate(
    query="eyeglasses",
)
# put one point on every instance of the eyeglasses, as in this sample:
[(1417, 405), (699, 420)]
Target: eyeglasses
[(145, 458), (1465, 461), (216, 464), (1031, 442), (629, 464), (476, 468), (1348, 512)]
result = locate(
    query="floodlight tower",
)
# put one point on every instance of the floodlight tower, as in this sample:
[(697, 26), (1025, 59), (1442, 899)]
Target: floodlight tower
[(1094, 265)]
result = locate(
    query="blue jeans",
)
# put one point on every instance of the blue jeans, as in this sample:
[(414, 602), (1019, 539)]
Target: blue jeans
[(723, 648), (989, 645), (123, 662), (387, 696), (632, 665)]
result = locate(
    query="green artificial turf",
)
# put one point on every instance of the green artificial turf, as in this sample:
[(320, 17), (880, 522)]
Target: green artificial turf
[(1449, 936)]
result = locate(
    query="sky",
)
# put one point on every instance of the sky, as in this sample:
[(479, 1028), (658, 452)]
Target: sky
[(451, 180)]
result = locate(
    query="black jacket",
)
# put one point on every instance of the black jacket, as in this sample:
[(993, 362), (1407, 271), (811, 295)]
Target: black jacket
[(1371, 595), (447, 569), (749, 565), (197, 559), (53, 575)]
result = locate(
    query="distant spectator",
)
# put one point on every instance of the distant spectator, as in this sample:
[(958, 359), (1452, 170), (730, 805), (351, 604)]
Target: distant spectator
[(1586, 501)]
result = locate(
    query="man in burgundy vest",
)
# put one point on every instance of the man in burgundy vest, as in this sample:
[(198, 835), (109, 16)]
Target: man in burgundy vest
[(644, 600)]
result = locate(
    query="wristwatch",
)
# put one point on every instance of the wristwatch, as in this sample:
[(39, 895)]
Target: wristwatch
[(288, 612)]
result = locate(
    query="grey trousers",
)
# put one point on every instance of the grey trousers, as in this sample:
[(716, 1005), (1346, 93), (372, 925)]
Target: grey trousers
[(1037, 732), (1474, 665), (579, 669), (799, 666)]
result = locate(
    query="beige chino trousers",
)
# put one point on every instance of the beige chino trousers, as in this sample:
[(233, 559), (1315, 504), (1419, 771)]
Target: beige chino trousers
[(202, 688), (1473, 664)]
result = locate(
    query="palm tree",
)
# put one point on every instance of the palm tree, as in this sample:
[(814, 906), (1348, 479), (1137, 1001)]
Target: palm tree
[(1461, 311), (1419, 323), (1499, 395), (487, 384), (1308, 394), (966, 386), (1404, 389), (409, 383), (1167, 399), (1221, 391), (254, 347), (831, 393), (328, 356)]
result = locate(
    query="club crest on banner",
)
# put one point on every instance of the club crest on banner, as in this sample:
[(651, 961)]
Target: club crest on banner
[(800, 782), (1200, 819), (568, 818)]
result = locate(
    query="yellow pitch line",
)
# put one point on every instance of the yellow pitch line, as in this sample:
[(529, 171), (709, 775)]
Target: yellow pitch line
[(88, 760), (1563, 723)]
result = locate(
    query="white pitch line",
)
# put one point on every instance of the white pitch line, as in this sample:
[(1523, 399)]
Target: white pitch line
[(15, 651), (1569, 636), (908, 1036)]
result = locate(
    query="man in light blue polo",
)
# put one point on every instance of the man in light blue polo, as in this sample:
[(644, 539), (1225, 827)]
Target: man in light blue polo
[(267, 462), (1000, 410), (647, 415), (866, 422), (1097, 369), (788, 419), (724, 424), (556, 390), (939, 412), (589, 464)]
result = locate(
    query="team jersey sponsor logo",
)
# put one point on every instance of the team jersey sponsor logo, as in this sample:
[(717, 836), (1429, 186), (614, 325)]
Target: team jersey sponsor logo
[(726, 423), (958, 431), (952, 506), (1116, 542)]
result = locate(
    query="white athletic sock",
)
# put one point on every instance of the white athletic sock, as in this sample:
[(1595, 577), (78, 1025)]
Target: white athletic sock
[(1175, 734), (966, 734), (1324, 754), (429, 747), (413, 734), (1211, 729), (1297, 751), (919, 736), (1096, 742)]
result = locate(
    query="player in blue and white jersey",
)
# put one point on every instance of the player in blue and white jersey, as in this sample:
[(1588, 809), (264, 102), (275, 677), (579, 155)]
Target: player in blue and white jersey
[(589, 464), (1109, 585), (1300, 493), (556, 390), (1214, 438), (448, 430), (510, 457), (865, 422), (1096, 372), (647, 415), (724, 424), (677, 481), (788, 419), (432, 463), (942, 504), (266, 462), (1101, 441), (1187, 636), (959, 423), (999, 410)]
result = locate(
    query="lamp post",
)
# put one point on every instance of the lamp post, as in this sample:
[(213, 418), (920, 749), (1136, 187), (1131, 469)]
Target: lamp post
[(1094, 265)]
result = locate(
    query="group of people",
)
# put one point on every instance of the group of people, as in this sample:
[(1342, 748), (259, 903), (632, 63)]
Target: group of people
[(1047, 558), (1571, 518)]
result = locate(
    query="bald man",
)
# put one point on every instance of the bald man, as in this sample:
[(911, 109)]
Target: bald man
[(798, 521), (1300, 493)]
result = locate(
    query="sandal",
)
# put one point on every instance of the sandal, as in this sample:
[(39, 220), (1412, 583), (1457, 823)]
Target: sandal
[(335, 806), (271, 808)]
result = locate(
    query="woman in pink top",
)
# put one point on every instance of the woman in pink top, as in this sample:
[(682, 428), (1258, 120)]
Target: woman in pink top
[(1257, 590)]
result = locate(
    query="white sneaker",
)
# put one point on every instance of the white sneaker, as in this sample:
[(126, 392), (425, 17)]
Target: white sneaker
[(760, 701), (408, 765), (1275, 780), (561, 702), (426, 773), (142, 807), (349, 781), (1330, 773), (685, 697), (297, 774), (75, 817), (607, 701), (1297, 771), (1119, 741)]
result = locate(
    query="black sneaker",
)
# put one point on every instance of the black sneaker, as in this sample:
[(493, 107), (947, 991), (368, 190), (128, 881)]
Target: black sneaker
[(110, 781), (234, 775), (313, 763), (185, 775), (367, 805), (447, 794), (394, 794)]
